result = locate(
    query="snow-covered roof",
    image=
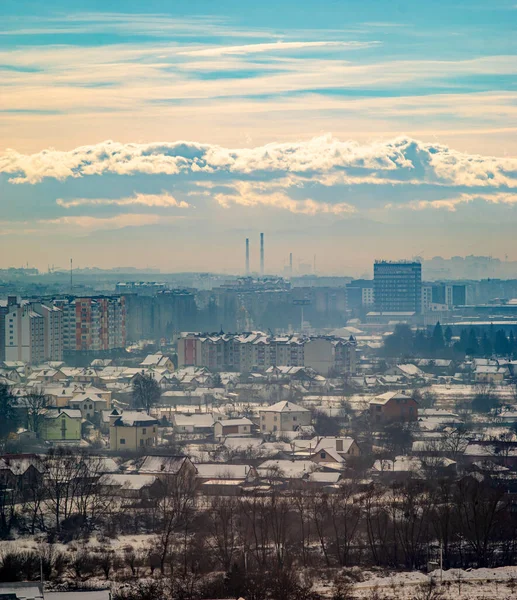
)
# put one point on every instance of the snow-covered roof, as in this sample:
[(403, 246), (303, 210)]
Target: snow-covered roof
[(284, 407)]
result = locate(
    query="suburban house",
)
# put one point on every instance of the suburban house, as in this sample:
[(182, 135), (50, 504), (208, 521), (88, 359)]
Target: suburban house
[(334, 450), (138, 487), (131, 430), (62, 425), (393, 406), (225, 427), (162, 466), (88, 404), (283, 416), (157, 361)]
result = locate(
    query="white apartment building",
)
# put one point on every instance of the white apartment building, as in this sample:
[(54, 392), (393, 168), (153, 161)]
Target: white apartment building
[(33, 332), (24, 334)]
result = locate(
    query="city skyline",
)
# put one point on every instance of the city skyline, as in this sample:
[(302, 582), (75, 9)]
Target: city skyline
[(355, 131)]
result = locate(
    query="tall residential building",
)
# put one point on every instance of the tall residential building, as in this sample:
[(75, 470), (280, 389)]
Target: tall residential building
[(26, 333), (93, 324), (397, 286)]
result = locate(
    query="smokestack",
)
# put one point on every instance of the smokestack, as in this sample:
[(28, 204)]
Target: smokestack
[(247, 256), (290, 263), (262, 254)]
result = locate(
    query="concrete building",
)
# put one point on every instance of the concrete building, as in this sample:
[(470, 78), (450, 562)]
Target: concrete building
[(131, 430), (397, 286), (259, 351), (283, 416), (24, 334), (93, 324)]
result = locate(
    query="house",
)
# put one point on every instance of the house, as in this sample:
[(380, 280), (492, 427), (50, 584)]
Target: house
[(334, 450), (131, 430), (227, 427), (393, 406), (161, 466), (88, 404), (141, 487), (490, 374), (283, 416), (62, 425), (291, 471), (198, 423), (158, 361), (238, 473)]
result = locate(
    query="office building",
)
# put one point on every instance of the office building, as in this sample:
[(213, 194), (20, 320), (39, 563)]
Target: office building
[(397, 286)]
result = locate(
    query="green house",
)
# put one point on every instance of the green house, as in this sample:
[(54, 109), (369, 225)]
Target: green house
[(62, 424)]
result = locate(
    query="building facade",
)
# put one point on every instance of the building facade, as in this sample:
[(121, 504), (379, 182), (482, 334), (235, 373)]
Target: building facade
[(32, 332), (259, 351), (397, 286), (93, 324)]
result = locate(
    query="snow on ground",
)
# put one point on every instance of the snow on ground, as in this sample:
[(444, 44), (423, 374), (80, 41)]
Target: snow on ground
[(473, 584)]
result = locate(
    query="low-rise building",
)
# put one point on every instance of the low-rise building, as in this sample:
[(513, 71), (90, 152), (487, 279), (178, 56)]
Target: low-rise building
[(393, 406), (283, 416), (62, 425), (132, 430), (227, 427)]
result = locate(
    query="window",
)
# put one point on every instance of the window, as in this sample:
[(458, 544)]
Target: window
[(144, 430), (141, 442), (276, 419), (323, 454), (275, 428), (263, 428), (154, 429), (122, 441), (295, 418)]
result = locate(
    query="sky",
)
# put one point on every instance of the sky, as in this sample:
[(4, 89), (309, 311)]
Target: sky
[(162, 134)]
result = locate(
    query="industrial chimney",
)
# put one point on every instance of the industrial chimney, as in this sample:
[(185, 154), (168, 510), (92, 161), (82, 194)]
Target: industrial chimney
[(262, 254), (247, 256), (291, 264)]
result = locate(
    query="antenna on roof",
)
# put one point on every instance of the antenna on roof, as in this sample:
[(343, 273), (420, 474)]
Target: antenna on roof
[(71, 277)]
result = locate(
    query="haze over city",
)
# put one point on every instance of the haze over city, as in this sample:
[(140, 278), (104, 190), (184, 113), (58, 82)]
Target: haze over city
[(258, 300), (155, 134)]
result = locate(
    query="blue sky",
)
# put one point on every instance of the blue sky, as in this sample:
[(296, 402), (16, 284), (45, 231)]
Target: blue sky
[(350, 130)]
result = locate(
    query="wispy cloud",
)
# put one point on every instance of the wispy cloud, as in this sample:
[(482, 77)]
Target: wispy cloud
[(87, 224), (276, 46), (151, 200), (452, 204)]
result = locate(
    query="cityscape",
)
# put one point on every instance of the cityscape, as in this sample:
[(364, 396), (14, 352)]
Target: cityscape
[(258, 300)]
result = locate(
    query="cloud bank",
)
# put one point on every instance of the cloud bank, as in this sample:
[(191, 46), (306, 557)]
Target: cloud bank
[(401, 160)]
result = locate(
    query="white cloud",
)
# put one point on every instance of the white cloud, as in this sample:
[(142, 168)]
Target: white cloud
[(246, 194), (152, 200), (451, 204), (401, 160), (274, 46)]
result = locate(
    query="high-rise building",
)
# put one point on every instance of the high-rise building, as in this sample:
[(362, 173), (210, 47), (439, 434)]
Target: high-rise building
[(93, 324), (397, 286), (32, 332)]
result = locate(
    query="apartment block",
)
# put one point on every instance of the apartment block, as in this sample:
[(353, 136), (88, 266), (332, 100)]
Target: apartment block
[(93, 324), (32, 332), (257, 350)]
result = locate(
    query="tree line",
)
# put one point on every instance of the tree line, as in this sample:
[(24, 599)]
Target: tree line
[(439, 343)]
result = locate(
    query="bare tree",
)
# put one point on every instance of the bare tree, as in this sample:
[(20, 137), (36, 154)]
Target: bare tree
[(146, 391), (36, 403)]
